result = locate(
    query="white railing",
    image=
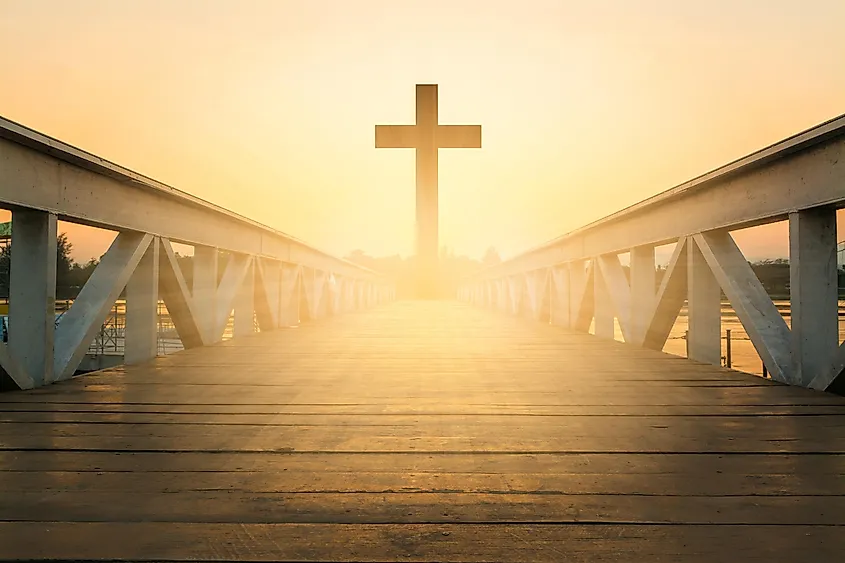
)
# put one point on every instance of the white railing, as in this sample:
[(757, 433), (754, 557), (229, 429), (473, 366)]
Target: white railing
[(577, 280), (268, 276)]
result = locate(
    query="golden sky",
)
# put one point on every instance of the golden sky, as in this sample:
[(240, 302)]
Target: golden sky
[(268, 107)]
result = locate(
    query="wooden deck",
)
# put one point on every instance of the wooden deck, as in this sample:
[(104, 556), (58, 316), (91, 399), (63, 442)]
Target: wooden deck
[(422, 432)]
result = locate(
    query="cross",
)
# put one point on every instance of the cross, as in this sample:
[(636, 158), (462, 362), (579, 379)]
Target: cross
[(427, 136)]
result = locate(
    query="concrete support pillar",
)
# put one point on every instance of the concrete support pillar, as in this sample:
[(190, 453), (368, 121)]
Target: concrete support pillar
[(581, 295), (643, 290), (346, 294), (141, 336), (267, 293), (32, 293), (333, 295), (813, 291), (244, 304), (360, 294), (605, 326), (560, 315), (504, 295), (204, 291), (289, 296), (705, 309)]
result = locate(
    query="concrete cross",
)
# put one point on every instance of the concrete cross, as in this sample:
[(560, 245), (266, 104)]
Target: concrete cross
[(427, 136)]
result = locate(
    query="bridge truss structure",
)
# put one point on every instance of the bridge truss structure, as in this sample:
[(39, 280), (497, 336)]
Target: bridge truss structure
[(269, 280), (578, 279)]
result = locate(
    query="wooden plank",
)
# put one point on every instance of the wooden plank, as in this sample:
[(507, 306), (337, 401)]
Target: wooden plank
[(293, 479), (149, 541), (693, 466), (247, 412), (366, 436), (417, 508)]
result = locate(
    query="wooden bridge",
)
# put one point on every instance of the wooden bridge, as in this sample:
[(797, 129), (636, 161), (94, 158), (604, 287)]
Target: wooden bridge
[(352, 427), (422, 431)]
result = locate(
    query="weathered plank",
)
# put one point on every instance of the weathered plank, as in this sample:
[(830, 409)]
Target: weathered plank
[(420, 432), (418, 543)]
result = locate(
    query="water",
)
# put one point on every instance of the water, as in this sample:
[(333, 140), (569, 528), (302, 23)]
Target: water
[(744, 355)]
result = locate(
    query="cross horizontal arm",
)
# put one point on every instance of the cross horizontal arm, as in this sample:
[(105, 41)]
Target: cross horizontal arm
[(459, 136), (396, 136)]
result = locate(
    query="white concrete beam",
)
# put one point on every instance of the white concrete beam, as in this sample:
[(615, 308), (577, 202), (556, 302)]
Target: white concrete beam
[(603, 309), (759, 316), (832, 378), (141, 335), (503, 298), (13, 369), (230, 285), (757, 189), (670, 298), (814, 295), (618, 291), (289, 296), (204, 291), (537, 287), (336, 291), (84, 319), (267, 291), (560, 301), (516, 289), (582, 294), (177, 299), (643, 288), (32, 294), (43, 173), (244, 304), (704, 309), (314, 283)]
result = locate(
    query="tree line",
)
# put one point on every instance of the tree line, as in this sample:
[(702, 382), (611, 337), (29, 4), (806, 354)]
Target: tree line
[(71, 276)]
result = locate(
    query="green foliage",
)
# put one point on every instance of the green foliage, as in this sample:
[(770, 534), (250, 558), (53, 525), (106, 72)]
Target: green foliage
[(70, 276)]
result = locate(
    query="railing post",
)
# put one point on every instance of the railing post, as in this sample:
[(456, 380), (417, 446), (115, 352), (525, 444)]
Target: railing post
[(560, 299), (244, 304), (581, 294), (204, 290), (643, 290), (704, 306), (604, 317), (141, 335), (32, 293), (289, 296), (813, 291), (503, 295), (268, 278)]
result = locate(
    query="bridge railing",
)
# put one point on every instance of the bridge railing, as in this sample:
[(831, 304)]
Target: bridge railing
[(577, 280), (266, 277)]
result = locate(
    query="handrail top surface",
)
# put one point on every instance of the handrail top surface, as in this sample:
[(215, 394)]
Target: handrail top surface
[(55, 148), (815, 135)]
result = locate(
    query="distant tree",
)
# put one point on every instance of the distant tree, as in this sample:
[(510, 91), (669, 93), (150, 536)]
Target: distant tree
[(491, 257), (773, 275), (64, 265)]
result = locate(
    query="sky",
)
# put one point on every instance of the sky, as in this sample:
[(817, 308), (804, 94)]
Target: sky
[(267, 107)]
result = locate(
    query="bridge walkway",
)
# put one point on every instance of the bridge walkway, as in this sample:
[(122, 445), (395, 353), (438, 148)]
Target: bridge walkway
[(418, 432)]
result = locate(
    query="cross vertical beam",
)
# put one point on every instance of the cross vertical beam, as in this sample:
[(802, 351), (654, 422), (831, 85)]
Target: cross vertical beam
[(427, 136)]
